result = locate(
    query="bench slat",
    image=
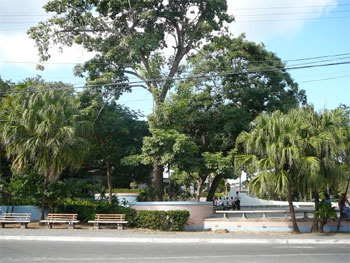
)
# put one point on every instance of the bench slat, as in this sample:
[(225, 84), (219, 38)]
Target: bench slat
[(118, 219)]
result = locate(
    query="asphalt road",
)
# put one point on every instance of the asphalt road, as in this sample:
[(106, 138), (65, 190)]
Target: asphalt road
[(38, 251)]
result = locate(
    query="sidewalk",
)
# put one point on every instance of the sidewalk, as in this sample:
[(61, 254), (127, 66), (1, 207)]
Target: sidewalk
[(149, 236)]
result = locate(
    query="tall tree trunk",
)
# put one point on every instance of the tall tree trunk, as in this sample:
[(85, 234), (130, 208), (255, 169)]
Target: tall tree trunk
[(200, 183), (158, 180), (292, 212), (109, 181), (316, 218), (43, 199), (213, 187)]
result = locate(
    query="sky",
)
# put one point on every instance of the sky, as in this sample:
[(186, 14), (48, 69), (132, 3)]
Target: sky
[(293, 29)]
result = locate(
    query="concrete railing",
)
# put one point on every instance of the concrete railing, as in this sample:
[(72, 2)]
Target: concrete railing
[(264, 213)]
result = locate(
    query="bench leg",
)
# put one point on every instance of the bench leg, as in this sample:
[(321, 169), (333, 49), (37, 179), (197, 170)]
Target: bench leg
[(225, 216), (96, 226), (23, 226), (244, 216), (71, 226), (2, 225), (49, 225), (120, 226)]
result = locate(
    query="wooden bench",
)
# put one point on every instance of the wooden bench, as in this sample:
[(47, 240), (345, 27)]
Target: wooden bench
[(265, 212), (118, 219), (15, 218), (69, 219)]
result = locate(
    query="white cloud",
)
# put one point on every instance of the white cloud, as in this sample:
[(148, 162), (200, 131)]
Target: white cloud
[(16, 17), (19, 48), (16, 46), (290, 18)]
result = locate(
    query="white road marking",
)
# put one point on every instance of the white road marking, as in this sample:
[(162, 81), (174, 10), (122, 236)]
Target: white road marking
[(99, 259)]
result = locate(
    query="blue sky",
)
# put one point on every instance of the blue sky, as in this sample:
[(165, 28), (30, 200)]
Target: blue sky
[(293, 29)]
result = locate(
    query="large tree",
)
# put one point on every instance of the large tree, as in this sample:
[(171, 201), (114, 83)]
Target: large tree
[(232, 80), (41, 129), (131, 39)]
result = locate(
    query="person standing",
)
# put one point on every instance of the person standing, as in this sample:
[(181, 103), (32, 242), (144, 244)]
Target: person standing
[(343, 208), (238, 201)]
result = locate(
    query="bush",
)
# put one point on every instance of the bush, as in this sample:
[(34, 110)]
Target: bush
[(147, 195), (86, 210), (162, 220), (174, 220)]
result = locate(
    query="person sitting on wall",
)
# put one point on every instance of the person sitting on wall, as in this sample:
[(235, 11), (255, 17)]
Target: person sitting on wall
[(215, 201), (238, 201), (225, 203)]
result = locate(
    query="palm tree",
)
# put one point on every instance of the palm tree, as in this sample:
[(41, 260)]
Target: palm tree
[(42, 130), (276, 147), (329, 130)]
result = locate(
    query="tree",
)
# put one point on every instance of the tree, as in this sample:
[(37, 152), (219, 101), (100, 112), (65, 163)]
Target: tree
[(41, 129), (116, 134), (329, 129), (206, 123), (277, 146), (250, 77), (130, 40), (245, 79)]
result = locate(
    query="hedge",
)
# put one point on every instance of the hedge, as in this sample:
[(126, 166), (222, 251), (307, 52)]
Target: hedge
[(86, 210), (174, 220)]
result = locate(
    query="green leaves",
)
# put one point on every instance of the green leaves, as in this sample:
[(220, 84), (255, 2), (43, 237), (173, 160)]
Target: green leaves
[(40, 130)]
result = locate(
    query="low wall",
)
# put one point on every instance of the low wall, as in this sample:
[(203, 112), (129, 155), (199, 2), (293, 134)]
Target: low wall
[(34, 210), (270, 226), (199, 211)]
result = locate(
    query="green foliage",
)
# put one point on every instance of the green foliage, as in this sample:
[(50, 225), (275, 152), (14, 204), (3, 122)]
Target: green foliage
[(27, 189), (23, 189), (260, 91), (117, 133), (147, 195), (324, 212), (162, 220), (135, 42), (42, 130), (86, 210)]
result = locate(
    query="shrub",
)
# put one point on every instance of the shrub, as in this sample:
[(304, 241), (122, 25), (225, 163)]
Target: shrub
[(177, 219), (86, 210), (162, 220), (147, 195)]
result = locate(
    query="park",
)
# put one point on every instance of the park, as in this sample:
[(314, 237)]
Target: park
[(234, 147)]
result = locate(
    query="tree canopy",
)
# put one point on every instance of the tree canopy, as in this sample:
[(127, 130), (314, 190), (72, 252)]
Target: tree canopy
[(130, 38), (42, 129)]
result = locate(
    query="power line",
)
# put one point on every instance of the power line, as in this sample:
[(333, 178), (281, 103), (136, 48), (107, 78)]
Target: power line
[(292, 19), (130, 64), (199, 76), (292, 13), (324, 79), (229, 9), (287, 7), (243, 21), (235, 15)]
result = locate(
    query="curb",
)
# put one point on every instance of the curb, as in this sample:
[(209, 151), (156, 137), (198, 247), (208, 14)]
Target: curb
[(177, 240)]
